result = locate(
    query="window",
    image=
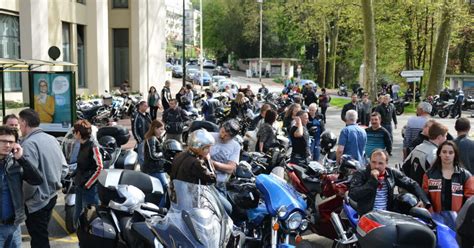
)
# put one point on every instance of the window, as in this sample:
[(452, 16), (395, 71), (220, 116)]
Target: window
[(81, 1), (81, 56), (10, 48), (121, 70), (120, 4), (66, 41)]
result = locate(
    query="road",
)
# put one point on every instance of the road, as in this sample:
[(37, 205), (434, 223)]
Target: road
[(60, 238)]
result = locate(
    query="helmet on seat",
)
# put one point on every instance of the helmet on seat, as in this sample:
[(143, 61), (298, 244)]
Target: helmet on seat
[(328, 140), (108, 142), (404, 202), (171, 147)]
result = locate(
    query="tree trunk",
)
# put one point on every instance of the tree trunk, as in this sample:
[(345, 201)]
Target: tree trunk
[(333, 37), (370, 49), (322, 57), (440, 54)]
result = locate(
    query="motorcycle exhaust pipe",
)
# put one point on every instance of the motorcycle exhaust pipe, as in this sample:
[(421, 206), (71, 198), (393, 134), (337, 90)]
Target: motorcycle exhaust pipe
[(336, 222)]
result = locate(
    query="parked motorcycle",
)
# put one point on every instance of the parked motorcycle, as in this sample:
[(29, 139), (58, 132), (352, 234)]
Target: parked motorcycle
[(468, 103), (400, 106), (111, 139), (342, 90)]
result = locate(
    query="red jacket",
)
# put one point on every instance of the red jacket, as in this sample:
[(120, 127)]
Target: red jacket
[(462, 187)]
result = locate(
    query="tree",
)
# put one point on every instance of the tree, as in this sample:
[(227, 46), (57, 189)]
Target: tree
[(370, 49)]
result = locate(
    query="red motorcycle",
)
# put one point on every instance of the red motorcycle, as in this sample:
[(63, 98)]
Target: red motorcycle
[(324, 188)]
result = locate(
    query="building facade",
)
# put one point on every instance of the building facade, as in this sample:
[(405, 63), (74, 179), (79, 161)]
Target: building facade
[(109, 40)]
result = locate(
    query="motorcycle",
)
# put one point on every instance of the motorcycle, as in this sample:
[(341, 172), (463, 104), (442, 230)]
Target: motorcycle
[(380, 228), (342, 90), (124, 197), (446, 110), (400, 106), (111, 139), (468, 103)]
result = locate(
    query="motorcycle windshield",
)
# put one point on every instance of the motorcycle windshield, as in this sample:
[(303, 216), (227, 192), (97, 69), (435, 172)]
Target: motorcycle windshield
[(277, 193), (198, 207)]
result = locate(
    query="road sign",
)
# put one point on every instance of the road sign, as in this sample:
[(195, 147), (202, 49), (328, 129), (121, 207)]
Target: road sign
[(411, 74), (413, 79)]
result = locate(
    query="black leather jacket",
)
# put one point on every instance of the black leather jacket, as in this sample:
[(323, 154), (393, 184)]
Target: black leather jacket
[(140, 126), (364, 187), (387, 112), (16, 172), (153, 161), (189, 168)]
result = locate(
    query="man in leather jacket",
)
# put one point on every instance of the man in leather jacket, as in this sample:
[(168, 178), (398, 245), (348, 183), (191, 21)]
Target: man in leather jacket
[(14, 168), (373, 187), (140, 125)]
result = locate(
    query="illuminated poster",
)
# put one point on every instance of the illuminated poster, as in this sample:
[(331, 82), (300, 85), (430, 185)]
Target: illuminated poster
[(52, 98)]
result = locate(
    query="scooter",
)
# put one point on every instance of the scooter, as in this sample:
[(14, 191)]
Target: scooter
[(342, 90)]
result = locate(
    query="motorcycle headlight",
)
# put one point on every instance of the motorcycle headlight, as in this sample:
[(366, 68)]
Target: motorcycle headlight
[(294, 221), (282, 211), (304, 225)]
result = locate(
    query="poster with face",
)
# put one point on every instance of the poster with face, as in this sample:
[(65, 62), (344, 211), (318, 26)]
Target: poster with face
[(52, 99)]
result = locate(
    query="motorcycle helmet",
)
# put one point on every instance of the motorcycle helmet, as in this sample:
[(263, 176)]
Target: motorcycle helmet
[(232, 127), (328, 140), (171, 147), (132, 197), (404, 202), (108, 142), (199, 139)]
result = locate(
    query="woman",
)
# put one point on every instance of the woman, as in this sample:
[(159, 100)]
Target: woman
[(290, 114), (44, 103), (239, 106), (266, 133), (179, 96), (153, 101), (89, 166), (447, 183), (324, 100)]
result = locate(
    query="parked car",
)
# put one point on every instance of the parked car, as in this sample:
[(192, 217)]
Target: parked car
[(169, 66), (208, 64), (216, 79), (221, 70), (177, 71), (303, 82), (206, 78), (190, 74), (221, 84)]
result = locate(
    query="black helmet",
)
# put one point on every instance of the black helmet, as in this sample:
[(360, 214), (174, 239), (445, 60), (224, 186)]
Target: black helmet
[(232, 127), (328, 140), (108, 142), (171, 147), (404, 202)]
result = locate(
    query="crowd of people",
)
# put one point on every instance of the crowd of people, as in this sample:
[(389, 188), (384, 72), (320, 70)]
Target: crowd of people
[(437, 168)]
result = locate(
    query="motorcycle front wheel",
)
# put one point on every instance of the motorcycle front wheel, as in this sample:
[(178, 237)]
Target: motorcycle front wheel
[(399, 110), (443, 113)]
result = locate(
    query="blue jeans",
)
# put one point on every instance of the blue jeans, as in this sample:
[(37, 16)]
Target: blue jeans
[(389, 129), (141, 153), (10, 236), (164, 182), (85, 197), (316, 150)]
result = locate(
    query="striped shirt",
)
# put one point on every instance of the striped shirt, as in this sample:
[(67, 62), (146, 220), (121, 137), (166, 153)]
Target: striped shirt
[(377, 138), (381, 196)]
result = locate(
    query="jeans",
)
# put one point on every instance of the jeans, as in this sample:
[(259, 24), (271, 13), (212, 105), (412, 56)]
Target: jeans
[(316, 150), (141, 152), (323, 112), (37, 224), (389, 129), (10, 236), (153, 111), (164, 182), (85, 197)]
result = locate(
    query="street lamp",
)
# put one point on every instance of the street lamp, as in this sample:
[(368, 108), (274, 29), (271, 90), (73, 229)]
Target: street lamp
[(184, 44), (260, 57)]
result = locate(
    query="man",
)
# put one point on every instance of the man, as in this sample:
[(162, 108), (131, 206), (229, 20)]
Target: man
[(352, 139), (424, 155), (377, 136), (44, 103), (373, 188), (465, 145), (309, 95), (458, 101), (166, 95), (299, 137), (225, 153), (415, 125), (315, 128), (12, 121), (354, 105), (124, 89), (387, 112), (422, 136), (259, 118), (174, 118), (14, 169), (365, 110), (209, 107), (43, 152), (140, 125), (263, 90)]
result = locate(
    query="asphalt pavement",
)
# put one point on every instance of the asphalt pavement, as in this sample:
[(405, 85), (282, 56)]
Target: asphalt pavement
[(57, 229)]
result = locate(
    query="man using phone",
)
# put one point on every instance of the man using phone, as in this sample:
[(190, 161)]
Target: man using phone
[(13, 170)]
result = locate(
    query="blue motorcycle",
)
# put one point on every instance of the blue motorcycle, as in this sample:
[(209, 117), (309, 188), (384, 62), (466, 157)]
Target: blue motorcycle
[(381, 228)]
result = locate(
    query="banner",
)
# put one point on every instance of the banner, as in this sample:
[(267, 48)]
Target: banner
[(53, 99)]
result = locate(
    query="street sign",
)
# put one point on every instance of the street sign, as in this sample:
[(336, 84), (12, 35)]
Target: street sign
[(411, 74), (413, 79)]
